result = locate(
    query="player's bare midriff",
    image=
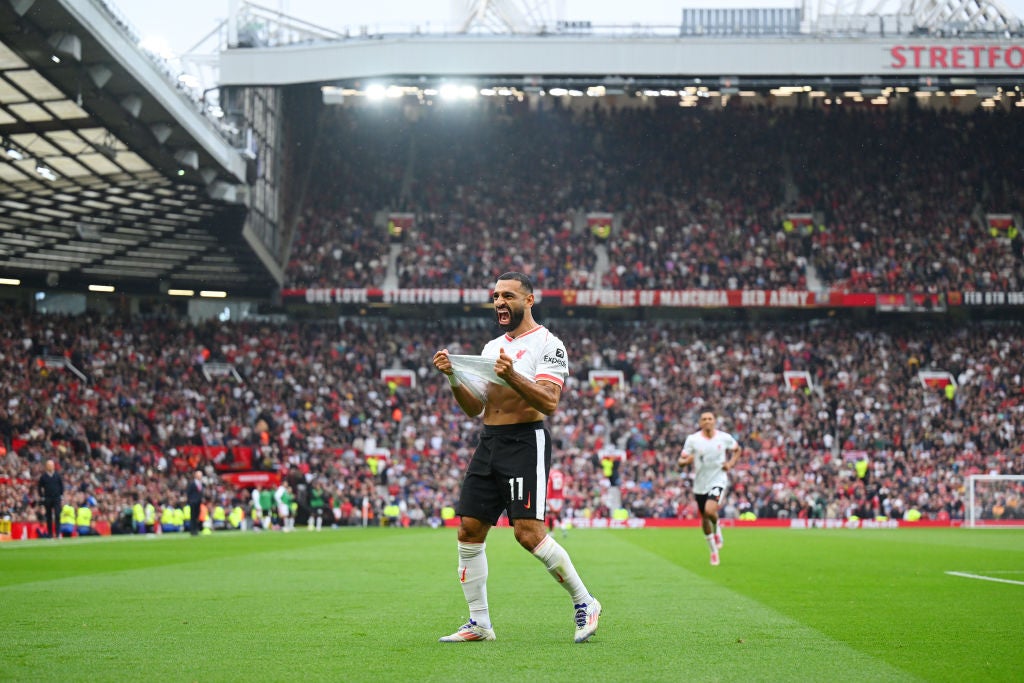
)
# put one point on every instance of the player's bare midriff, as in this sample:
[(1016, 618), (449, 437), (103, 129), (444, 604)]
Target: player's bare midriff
[(505, 407)]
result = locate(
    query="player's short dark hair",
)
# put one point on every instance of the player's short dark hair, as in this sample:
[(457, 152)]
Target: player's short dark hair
[(521, 278)]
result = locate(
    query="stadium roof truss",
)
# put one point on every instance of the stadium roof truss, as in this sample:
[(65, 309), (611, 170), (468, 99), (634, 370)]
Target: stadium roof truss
[(104, 178), (930, 16)]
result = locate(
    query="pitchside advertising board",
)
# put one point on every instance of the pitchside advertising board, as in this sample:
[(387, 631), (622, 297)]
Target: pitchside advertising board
[(684, 298)]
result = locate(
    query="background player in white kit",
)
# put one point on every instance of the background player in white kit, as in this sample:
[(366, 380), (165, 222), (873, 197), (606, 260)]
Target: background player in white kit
[(257, 510), (713, 453)]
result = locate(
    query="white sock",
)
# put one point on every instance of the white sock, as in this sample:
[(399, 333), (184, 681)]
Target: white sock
[(473, 577), (718, 531), (558, 564), (710, 538)]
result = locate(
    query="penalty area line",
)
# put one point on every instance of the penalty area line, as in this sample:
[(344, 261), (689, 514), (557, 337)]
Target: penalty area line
[(985, 578)]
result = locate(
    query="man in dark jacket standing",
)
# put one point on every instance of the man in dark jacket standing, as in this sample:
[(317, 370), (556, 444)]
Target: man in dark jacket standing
[(51, 490), (194, 497)]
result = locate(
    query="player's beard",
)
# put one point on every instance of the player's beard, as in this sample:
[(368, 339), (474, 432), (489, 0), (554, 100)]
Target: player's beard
[(515, 318)]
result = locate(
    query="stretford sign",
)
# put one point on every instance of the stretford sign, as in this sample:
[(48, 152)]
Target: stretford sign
[(957, 57), (336, 295), (633, 298)]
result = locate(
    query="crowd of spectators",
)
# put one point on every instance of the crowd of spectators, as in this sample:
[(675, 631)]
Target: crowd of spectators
[(700, 198), (899, 197), (312, 403)]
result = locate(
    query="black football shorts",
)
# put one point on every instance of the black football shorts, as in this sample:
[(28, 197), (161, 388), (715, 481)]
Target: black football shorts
[(714, 494), (508, 472)]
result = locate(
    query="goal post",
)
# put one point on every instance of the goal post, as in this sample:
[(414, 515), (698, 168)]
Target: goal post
[(995, 501)]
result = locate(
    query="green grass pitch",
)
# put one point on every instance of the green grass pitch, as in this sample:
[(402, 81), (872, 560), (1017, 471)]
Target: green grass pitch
[(370, 604)]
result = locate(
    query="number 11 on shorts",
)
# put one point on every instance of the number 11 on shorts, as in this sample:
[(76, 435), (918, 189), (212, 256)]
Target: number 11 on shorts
[(513, 484)]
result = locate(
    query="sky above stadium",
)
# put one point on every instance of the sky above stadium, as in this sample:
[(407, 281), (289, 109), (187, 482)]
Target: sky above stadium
[(173, 28)]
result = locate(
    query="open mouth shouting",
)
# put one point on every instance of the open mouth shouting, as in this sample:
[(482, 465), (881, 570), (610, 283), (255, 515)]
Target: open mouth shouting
[(508, 320)]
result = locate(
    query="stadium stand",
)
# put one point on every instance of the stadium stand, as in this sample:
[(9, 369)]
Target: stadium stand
[(310, 405), (695, 208), (892, 373)]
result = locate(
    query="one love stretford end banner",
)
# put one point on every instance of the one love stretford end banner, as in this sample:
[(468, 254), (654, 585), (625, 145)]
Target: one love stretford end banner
[(683, 298)]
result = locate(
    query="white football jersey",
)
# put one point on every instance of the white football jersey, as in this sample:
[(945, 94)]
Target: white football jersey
[(535, 355), (709, 454)]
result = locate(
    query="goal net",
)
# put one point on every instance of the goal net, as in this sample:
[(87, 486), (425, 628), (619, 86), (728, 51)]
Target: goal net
[(995, 500)]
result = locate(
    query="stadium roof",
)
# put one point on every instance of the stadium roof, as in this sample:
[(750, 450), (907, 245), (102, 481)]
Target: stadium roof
[(109, 172), (508, 43)]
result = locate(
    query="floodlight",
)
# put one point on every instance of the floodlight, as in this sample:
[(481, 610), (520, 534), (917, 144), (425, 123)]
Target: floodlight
[(45, 171)]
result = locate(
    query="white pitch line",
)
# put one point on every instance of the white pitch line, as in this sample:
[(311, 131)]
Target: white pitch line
[(985, 578)]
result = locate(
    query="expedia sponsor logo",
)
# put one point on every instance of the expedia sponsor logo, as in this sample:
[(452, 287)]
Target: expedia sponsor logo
[(556, 360)]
